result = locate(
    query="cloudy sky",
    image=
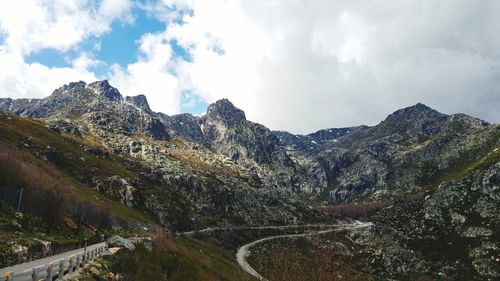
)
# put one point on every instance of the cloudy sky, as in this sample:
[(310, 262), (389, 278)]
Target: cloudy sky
[(290, 64)]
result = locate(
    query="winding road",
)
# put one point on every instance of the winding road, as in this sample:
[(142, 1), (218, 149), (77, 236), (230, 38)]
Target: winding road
[(23, 271), (243, 251)]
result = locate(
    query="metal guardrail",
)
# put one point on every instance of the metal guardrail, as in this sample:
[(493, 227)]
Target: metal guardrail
[(55, 269)]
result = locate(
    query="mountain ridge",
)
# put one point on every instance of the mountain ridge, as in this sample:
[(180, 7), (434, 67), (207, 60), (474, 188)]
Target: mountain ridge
[(220, 169)]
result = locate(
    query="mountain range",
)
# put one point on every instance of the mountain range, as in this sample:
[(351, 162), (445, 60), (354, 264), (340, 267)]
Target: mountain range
[(221, 169)]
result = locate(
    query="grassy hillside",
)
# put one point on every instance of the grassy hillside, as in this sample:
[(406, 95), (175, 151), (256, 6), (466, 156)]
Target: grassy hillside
[(57, 204), (173, 259), (25, 144)]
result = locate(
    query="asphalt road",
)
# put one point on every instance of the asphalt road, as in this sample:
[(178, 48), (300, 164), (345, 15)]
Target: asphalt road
[(243, 251), (28, 266), (277, 227)]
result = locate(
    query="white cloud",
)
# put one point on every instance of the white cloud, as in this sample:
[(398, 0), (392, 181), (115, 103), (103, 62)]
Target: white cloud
[(29, 26), (305, 65), (35, 80), (151, 75), (294, 65)]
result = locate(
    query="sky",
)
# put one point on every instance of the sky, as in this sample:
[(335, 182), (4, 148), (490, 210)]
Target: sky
[(289, 64)]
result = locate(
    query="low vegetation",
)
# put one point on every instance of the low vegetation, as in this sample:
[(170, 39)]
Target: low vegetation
[(178, 258), (325, 258), (44, 192), (359, 210)]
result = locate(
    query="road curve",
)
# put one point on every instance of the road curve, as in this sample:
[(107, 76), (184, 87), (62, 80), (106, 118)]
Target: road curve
[(243, 251)]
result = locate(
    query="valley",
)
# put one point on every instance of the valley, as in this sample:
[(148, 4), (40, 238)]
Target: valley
[(93, 163)]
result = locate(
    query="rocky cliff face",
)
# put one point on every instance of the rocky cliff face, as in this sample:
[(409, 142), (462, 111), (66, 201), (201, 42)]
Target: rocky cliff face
[(192, 172), (453, 234), (253, 147), (410, 149)]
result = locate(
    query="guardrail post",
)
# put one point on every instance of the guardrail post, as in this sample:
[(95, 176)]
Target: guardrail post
[(61, 270), (77, 262), (8, 276), (49, 272), (34, 274), (70, 268)]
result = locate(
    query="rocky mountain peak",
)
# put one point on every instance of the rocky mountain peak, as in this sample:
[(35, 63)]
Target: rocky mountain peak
[(103, 89), (140, 101), (417, 111), (80, 85), (225, 110)]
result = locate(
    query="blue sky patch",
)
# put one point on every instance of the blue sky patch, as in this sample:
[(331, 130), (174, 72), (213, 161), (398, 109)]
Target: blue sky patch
[(120, 45), (193, 104), (180, 51), (48, 57)]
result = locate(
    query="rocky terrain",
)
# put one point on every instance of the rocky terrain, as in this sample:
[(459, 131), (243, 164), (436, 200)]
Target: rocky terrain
[(189, 172), (221, 169)]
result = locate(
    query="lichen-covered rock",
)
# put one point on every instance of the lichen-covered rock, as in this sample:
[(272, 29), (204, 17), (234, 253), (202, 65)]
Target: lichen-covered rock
[(475, 232), (118, 241), (118, 188)]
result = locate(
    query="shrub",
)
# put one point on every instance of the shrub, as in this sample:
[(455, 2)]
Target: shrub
[(45, 194), (146, 265), (324, 263), (368, 209), (84, 212), (161, 239)]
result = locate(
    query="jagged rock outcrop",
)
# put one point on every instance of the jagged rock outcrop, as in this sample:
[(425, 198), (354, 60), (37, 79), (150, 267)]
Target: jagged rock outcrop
[(97, 106), (409, 149), (184, 125), (228, 131), (139, 101)]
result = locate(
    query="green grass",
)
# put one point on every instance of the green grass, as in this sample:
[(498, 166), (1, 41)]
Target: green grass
[(307, 258), (191, 260), (16, 131), (479, 158)]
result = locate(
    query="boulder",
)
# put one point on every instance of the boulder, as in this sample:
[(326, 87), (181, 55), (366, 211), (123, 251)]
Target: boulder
[(110, 276), (95, 272), (16, 225), (118, 241)]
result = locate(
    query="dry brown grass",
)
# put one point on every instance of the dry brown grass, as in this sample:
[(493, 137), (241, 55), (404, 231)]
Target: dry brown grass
[(45, 193), (367, 209), (325, 264), (161, 239)]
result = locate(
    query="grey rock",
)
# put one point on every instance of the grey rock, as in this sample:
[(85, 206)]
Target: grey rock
[(140, 101), (118, 241), (474, 232)]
